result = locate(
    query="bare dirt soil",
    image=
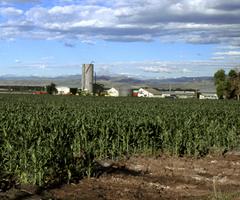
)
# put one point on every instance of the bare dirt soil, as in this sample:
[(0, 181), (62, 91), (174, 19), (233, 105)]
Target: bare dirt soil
[(164, 177)]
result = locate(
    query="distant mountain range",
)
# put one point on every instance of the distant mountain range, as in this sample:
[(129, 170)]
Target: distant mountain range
[(202, 83)]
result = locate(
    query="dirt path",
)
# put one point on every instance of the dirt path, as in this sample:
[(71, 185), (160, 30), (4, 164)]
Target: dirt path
[(155, 178)]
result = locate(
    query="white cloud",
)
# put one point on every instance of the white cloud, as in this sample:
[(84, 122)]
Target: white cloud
[(229, 47), (10, 12), (145, 69), (218, 58), (157, 69), (195, 21), (17, 61), (228, 53), (168, 68), (89, 42)]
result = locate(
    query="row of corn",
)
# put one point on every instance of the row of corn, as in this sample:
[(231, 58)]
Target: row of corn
[(49, 139)]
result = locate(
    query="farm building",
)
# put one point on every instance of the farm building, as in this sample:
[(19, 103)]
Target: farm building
[(149, 92), (63, 90), (185, 94), (208, 95), (135, 92), (166, 94), (180, 94), (112, 92)]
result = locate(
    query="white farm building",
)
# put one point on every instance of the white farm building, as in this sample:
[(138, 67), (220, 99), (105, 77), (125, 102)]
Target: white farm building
[(63, 90), (112, 92), (208, 96), (149, 92), (180, 94)]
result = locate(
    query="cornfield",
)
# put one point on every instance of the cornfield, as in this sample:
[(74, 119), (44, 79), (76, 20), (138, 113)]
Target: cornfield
[(44, 139)]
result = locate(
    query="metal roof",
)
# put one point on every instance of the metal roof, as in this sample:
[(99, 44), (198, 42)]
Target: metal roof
[(152, 90)]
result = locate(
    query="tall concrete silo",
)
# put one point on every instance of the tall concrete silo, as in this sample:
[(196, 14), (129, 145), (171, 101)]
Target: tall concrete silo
[(87, 77)]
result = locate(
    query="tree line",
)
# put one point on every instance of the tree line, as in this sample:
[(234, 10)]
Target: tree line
[(227, 85)]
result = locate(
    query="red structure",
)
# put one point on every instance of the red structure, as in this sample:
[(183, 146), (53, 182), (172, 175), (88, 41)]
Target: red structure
[(135, 92)]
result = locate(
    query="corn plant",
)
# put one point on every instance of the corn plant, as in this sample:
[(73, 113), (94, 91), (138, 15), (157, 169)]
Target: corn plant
[(49, 139)]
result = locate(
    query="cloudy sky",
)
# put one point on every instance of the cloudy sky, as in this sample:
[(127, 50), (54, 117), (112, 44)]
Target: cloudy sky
[(141, 38)]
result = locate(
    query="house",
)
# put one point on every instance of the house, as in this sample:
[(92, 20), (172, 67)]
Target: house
[(63, 90), (112, 92), (149, 92)]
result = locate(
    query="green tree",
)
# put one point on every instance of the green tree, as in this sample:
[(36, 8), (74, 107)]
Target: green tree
[(236, 86), (98, 89), (220, 83), (220, 87), (227, 86), (232, 74), (51, 89), (219, 76)]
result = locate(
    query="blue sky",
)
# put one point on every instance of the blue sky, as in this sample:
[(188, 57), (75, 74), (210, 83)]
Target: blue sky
[(138, 38)]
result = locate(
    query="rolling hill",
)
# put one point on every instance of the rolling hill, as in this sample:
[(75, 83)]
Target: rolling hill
[(202, 83)]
